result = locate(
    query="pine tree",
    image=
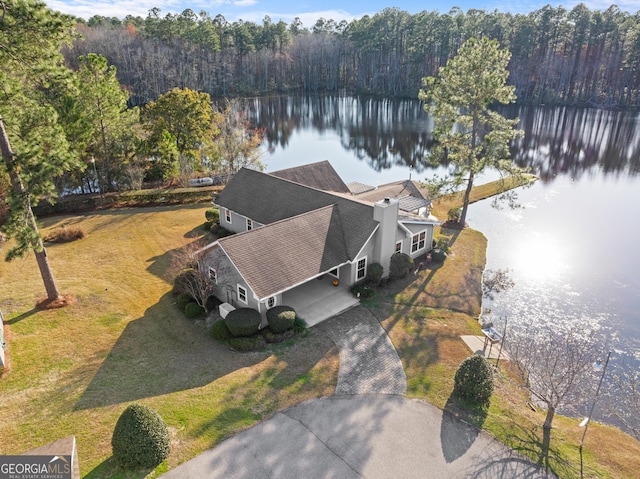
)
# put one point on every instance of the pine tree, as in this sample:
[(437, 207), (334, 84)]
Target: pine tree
[(468, 134)]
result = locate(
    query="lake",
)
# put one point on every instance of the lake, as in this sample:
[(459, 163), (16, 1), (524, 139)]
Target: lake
[(571, 250)]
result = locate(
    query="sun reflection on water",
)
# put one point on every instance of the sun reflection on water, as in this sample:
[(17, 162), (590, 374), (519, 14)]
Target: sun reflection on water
[(539, 258)]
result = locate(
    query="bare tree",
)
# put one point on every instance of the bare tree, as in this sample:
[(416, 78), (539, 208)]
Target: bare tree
[(556, 365), (622, 401), (191, 277)]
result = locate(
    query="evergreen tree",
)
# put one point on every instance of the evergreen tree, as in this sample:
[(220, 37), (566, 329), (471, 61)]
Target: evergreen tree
[(34, 145), (470, 135)]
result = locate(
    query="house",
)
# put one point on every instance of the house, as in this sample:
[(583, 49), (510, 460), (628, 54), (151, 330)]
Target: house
[(299, 230)]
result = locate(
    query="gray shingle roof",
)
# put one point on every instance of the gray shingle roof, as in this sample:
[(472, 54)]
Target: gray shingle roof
[(275, 257), (320, 175), (406, 191), (268, 199)]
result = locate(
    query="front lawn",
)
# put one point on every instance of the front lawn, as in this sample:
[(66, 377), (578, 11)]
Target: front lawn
[(74, 370)]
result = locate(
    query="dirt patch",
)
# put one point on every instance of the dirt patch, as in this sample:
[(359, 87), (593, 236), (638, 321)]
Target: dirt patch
[(60, 302)]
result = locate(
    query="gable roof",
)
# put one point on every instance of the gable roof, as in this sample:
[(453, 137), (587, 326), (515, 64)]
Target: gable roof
[(406, 191), (276, 257), (267, 199), (320, 175)]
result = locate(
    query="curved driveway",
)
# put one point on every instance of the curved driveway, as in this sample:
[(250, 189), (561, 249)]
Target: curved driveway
[(356, 435)]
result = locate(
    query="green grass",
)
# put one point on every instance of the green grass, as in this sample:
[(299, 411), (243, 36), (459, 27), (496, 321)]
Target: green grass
[(74, 370), (425, 315)]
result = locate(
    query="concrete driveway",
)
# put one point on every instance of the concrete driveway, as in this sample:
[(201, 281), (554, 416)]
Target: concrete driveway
[(359, 436), (366, 430)]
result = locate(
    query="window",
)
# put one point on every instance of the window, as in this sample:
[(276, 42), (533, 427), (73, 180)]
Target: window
[(399, 247), (361, 270), (213, 275), (249, 224), (227, 215), (242, 294), (418, 242), (271, 302), (334, 272)]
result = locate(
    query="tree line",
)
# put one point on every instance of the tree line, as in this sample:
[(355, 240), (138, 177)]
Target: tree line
[(559, 56)]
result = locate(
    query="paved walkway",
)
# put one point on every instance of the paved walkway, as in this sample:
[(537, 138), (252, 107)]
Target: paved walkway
[(369, 364)]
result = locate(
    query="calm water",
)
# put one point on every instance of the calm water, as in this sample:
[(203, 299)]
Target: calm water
[(572, 250)]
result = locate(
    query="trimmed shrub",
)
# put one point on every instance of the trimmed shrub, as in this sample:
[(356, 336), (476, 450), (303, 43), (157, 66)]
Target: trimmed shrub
[(401, 264), (299, 325), (363, 291), (243, 322), (182, 300), (220, 232), (455, 214), (474, 380), (254, 343), (65, 234), (140, 439), (374, 274), (193, 310), (220, 331), (438, 255), (281, 318), (212, 215), (443, 244)]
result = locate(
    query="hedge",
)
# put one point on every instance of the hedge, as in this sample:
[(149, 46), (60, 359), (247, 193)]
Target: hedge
[(243, 321), (281, 318)]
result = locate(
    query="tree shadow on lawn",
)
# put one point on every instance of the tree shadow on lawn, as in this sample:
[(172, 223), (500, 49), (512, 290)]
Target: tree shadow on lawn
[(529, 442), (460, 427), (160, 353), (312, 434)]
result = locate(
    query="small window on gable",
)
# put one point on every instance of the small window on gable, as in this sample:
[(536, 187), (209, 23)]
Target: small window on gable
[(361, 270), (242, 294), (227, 215), (249, 224), (399, 247), (213, 275), (271, 302), (334, 272)]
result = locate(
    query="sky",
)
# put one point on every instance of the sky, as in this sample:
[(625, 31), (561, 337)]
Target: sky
[(309, 11)]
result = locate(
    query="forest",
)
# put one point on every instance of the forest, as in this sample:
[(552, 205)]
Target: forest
[(559, 57)]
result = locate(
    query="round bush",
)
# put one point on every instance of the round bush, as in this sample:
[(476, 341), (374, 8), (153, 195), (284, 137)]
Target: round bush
[(140, 439), (212, 215), (243, 322), (220, 331), (193, 310), (374, 274), (401, 264), (182, 300), (281, 318), (438, 255), (474, 380)]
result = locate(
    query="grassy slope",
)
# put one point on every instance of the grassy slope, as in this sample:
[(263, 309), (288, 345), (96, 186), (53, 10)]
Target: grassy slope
[(73, 370), (425, 316)]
